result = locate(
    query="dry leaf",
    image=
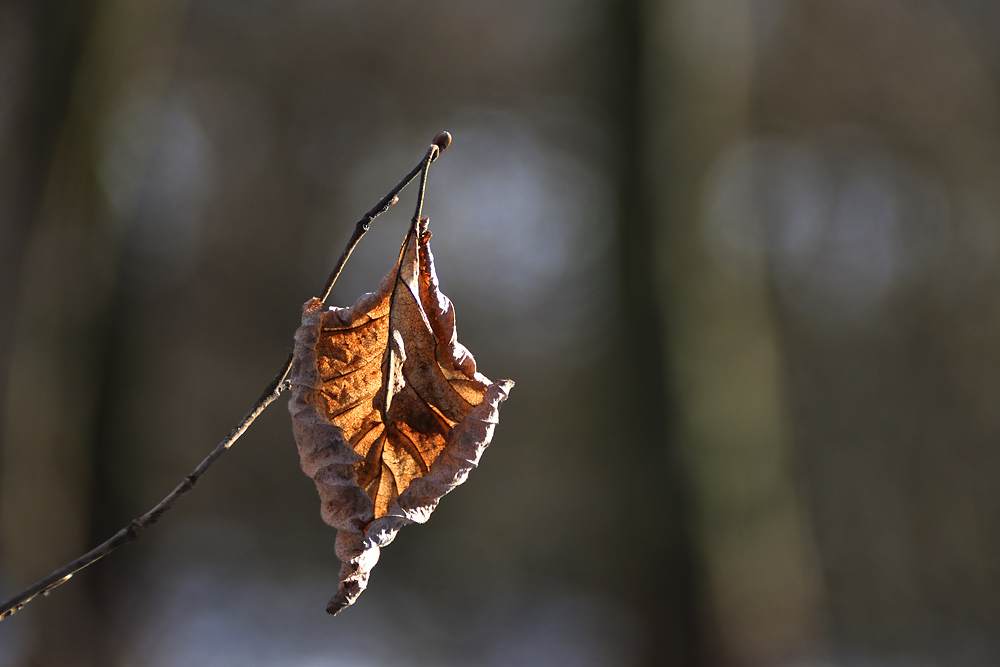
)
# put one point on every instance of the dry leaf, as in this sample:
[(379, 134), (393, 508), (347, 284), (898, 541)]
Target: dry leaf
[(388, 409)]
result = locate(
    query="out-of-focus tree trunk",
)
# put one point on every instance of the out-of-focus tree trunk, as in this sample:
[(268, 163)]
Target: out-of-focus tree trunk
[(43, 508), (39, 50), (671, 581), (59, 348), (896, 409), (762, 586)]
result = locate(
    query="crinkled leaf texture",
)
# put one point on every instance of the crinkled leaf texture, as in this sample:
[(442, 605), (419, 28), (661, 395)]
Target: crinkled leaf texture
[(388, 409)]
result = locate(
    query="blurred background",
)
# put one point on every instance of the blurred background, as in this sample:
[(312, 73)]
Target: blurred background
[(741, 257)]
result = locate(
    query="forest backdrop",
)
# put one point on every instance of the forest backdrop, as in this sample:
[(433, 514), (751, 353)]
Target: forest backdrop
[(741, 257)]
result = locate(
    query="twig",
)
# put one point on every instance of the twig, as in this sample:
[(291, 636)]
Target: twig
[(438, 146), (129, 534)]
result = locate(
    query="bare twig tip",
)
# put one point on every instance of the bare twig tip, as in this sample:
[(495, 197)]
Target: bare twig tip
[(442, 141)]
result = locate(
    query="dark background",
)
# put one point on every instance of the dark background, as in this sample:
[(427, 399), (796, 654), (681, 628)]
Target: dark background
[(740, 256)]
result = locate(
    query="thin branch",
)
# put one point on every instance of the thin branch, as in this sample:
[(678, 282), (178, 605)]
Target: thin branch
[(131, 533)]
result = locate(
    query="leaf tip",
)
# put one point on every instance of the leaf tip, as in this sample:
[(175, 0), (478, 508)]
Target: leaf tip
[(336, 605)]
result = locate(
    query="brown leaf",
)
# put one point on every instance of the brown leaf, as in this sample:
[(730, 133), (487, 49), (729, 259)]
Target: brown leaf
[(388, 409)]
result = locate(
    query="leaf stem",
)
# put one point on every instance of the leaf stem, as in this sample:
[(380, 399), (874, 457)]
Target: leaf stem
[(131, 532), (432, 154)]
